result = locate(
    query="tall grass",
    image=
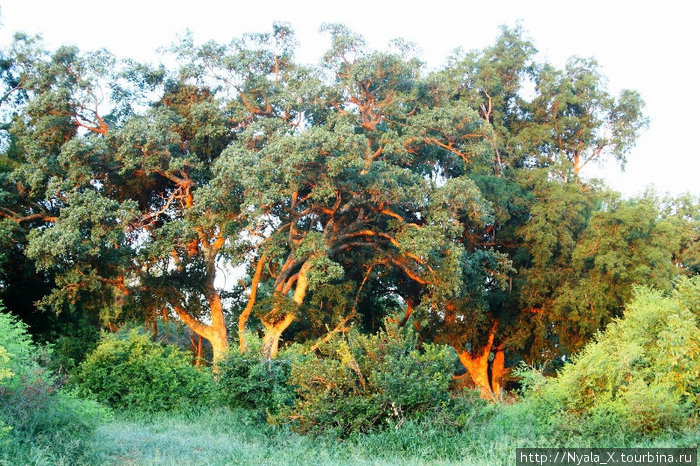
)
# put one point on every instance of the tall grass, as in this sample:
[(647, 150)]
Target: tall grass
[(224, 436)]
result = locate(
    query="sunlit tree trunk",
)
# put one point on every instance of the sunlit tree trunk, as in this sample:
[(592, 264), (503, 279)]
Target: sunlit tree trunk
[(273, 329), (214, 332), (478, 369), (477, 366), (243, 318), (273, 333), (497, 370), (218, 335)]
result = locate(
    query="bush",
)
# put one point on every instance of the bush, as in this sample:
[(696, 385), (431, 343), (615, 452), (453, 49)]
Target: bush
[(5, 373), (74, 340), (21, 355), (35, 415), (129, 371), (360, 382), (250, 381), (56, 423), (640, 376)]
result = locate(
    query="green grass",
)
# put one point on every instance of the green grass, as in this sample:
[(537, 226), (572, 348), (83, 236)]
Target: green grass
[(224, 437), (236, 437)]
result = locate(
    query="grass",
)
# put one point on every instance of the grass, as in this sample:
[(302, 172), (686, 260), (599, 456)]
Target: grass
[(225, 437), (236, 437)]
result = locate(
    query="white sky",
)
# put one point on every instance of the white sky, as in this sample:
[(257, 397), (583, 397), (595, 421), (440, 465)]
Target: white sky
[(647, 46)]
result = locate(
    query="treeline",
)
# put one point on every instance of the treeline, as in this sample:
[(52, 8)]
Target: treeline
[(247, 196)]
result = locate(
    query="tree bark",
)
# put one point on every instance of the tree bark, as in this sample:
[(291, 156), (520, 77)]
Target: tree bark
[(215, 333), (219, 337), (273, 333), (219, 345), (409, 311), (478, 369), (477, 366), (497, 370)]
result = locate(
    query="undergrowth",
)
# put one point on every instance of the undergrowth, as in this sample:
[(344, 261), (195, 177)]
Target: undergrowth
[(238, 436)]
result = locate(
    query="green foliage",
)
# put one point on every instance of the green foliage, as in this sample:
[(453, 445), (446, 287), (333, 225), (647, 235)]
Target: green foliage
[(34, 413), (641, 375), (72, 341), (129, 371), (586, 253), (20, 353), (490, 435), (5, 373), (249, 380), (360, 382)]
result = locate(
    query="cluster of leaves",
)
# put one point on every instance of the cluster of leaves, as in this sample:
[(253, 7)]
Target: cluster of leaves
[(72, 339), (248, 380), (5, 373), (359, 382), (642, 375), (36, 415), (129, 371)]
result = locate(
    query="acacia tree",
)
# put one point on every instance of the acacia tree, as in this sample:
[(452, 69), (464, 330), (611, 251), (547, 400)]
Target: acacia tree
[(576, 121), (539, 142), (126, 218), (350, 189), (51, 112)]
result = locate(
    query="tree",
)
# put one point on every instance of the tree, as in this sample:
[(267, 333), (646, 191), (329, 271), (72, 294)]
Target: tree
[(48, 99), (351, 190), (99, 184), (576, 121), (242, 152), (539, 140)]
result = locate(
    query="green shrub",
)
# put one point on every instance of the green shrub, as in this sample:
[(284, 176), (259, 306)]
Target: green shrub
[(21, 354), (365, 381), (74, 340), (35, 415), (250, 381), (41, 418), (129, 371), (5, 373), (642, 375)]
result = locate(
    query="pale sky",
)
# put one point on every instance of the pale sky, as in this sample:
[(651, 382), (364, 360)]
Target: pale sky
[(647, 46)]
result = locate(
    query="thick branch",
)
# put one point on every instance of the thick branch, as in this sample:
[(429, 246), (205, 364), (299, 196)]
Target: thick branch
[(15, 217), (194, 325), (243, 318)]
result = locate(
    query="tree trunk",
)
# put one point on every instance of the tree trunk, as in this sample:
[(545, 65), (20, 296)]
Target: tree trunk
[(271, 342), (273, 330), (243, 318), (497, 370), (478, 366), (215, 333), (197, 348), (219, 337), (409, 311), (273, 333), (219, 345), (478, 369)]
